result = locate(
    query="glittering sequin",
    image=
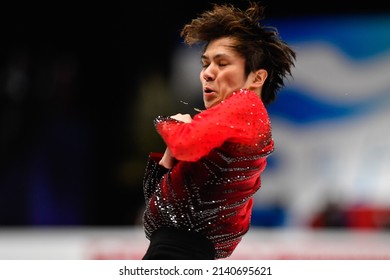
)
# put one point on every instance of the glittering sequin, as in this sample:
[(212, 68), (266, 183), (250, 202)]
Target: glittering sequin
[(221, 155)]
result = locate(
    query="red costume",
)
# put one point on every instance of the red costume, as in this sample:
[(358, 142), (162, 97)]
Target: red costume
[(220, 156)]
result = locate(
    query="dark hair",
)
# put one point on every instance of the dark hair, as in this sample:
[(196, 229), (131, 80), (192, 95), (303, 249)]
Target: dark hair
[(261, 46)]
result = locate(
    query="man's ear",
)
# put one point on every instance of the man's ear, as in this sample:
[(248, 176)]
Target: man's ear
[(259, 78)]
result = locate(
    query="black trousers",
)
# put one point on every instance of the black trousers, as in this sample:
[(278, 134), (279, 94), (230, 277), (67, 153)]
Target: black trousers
[(174, 244)]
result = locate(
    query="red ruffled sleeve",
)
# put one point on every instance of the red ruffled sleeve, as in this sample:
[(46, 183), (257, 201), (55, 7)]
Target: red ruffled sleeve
[(240, 118)]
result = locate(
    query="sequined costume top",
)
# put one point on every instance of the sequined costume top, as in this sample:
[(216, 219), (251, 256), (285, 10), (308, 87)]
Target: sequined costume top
[(220, 156)]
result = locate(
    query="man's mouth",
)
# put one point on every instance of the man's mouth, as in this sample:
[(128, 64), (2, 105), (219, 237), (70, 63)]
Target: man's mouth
[(208, 91)]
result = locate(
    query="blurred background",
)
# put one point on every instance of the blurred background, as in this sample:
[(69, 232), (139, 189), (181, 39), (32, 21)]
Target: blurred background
[(79, 88)]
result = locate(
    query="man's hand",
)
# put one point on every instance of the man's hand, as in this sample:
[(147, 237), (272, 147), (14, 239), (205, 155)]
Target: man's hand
[(167, 160), (182, 117)]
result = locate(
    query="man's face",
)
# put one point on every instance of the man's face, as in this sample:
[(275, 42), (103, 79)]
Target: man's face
[(223, 71)]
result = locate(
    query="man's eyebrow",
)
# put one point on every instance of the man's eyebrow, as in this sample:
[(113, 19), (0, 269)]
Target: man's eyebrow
[(218, 55)]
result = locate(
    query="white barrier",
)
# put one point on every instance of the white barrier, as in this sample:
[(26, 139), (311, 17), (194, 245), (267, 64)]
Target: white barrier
[(129, 243)]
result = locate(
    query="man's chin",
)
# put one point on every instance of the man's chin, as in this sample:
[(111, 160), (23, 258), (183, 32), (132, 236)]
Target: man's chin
[(210, 103)]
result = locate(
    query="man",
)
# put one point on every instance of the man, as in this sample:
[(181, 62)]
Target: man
[(199, 193)]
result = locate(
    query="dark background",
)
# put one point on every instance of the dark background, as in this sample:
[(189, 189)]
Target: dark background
[(69, 77)]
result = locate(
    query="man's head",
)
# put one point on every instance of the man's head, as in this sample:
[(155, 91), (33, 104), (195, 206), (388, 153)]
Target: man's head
[(265, 59)]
